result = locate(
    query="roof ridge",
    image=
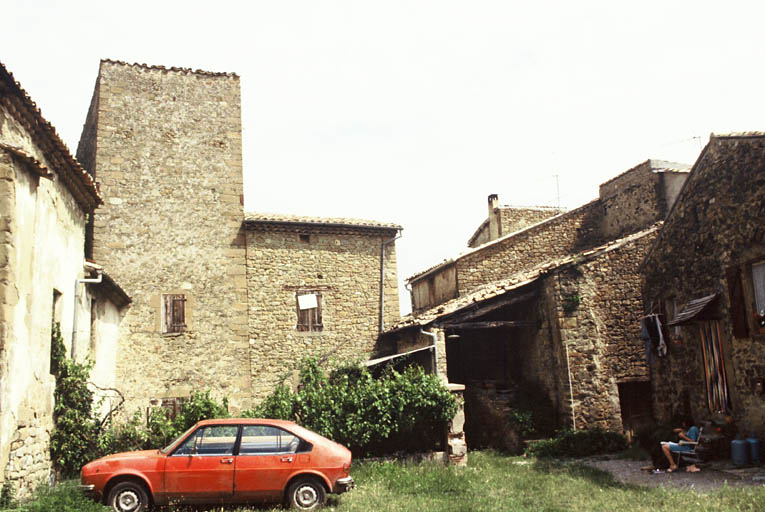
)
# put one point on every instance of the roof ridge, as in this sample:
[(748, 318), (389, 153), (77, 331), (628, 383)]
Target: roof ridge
[(164, 69), (58, 145), (286, 218)]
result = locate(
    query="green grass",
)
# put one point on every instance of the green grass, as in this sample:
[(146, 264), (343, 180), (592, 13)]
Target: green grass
[(492, 482)]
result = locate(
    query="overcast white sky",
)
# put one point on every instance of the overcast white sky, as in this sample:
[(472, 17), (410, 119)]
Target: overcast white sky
[(414, 111)]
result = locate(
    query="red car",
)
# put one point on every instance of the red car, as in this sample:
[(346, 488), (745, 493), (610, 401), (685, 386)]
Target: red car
[(224, 461)]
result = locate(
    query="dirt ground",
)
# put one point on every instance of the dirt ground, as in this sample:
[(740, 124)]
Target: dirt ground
[(711, 477)]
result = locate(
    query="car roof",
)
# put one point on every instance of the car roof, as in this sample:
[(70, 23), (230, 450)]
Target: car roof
[(247, 421)]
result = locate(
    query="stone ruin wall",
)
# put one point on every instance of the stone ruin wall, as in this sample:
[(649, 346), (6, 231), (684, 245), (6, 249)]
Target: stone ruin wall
[(345, 268), (166, 148), (556, 238)]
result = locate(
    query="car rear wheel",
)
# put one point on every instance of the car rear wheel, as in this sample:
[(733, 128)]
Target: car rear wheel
[(306, 494), (128, 497)]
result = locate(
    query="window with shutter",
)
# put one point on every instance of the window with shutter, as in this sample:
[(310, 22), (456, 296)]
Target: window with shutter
[(758, 283), (173, 313), (309, 311), (737, 303)]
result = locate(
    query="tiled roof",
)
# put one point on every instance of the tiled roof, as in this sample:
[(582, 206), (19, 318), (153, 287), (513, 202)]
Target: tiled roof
[(513, 282), (165, 70), (297, 220), (77, 180)]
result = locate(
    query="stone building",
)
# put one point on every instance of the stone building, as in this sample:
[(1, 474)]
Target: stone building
[(503, 220), (165, 146), (45, 200), (317, 287), (220, 300), (705, 277), (555, 306)]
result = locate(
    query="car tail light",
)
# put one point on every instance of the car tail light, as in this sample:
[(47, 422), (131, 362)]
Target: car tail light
[(346, 467)]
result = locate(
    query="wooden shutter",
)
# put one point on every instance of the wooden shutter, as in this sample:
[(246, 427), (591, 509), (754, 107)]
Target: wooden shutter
[(737, 303), (175, 312)]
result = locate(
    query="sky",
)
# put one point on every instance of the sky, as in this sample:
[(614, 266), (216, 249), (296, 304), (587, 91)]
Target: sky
[(413, 112)]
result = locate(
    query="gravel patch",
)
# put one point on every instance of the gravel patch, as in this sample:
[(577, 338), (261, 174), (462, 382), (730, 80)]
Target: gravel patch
[(711, 477)]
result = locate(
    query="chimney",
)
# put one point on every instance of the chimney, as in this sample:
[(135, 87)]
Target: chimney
[(493, 224)]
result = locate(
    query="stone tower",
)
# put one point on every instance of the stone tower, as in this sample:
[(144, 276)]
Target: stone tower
[(165, 145)]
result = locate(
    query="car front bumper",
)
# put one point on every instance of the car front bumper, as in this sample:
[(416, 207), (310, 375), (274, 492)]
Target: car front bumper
[(343, 485)]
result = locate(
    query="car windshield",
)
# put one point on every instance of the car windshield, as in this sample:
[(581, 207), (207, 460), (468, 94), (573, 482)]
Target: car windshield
[(169, 447)]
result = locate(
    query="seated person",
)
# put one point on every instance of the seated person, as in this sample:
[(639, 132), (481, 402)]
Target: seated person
[(692, 435)]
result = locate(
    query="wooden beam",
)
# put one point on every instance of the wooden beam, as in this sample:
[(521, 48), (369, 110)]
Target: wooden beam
[(489, 325), (480, 311)]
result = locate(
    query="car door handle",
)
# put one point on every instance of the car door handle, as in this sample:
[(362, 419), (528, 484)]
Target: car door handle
[(227, 461), (286, 459)]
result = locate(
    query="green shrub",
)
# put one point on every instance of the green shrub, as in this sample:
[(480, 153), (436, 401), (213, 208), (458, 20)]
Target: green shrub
[(74, 439), (580, 443), (368, 415)]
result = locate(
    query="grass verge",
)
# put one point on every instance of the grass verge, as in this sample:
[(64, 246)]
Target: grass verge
[(492, 482)]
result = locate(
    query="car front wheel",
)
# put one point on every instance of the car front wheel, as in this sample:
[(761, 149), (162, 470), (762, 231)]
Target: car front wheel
[(306, 494), (128, 497)]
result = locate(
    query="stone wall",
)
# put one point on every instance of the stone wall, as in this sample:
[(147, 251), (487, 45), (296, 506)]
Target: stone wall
[(639, 197), (558, 237), (165, 145), (715, 231), (343, 266), (602, 331), (511, 219), (41, 250)]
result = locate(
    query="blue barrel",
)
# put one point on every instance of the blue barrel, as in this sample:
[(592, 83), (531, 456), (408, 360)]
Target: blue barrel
[(739, 452), (754, 448)]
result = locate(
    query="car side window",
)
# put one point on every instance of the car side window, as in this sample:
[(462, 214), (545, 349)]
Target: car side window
[(210, 440), (267, 440)]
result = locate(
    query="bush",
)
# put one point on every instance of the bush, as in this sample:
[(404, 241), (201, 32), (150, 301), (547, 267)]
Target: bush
[(74, 439), (580, 443), (370, 416)]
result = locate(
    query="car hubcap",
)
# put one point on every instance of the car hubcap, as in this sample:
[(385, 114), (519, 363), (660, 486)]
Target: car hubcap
[(127, 501), (306, 496)]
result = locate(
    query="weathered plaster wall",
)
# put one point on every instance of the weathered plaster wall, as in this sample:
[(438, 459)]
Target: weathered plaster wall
[(42, 232), (166, 149), (344, 268), (715, 226)]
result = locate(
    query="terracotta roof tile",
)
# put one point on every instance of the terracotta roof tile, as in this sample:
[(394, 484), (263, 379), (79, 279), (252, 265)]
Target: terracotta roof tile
[(77, 179), (278, 218), (165, 69)]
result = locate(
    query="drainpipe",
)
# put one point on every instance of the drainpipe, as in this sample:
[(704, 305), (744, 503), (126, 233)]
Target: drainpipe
[(434, 336), (570, 390), (381, 322), (98, 279)]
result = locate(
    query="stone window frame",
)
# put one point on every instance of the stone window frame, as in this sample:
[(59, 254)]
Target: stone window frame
[(309, 320)]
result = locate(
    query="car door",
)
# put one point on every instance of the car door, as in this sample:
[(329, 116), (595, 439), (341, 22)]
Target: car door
[(201, 469), (266, 460)]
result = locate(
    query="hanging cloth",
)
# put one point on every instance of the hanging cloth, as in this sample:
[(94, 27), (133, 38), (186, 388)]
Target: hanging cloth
[(662, 349)]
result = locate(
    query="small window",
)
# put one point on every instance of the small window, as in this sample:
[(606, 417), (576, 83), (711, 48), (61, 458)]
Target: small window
[(173, 313), (264, 439), (305, 238), (309, 311)]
